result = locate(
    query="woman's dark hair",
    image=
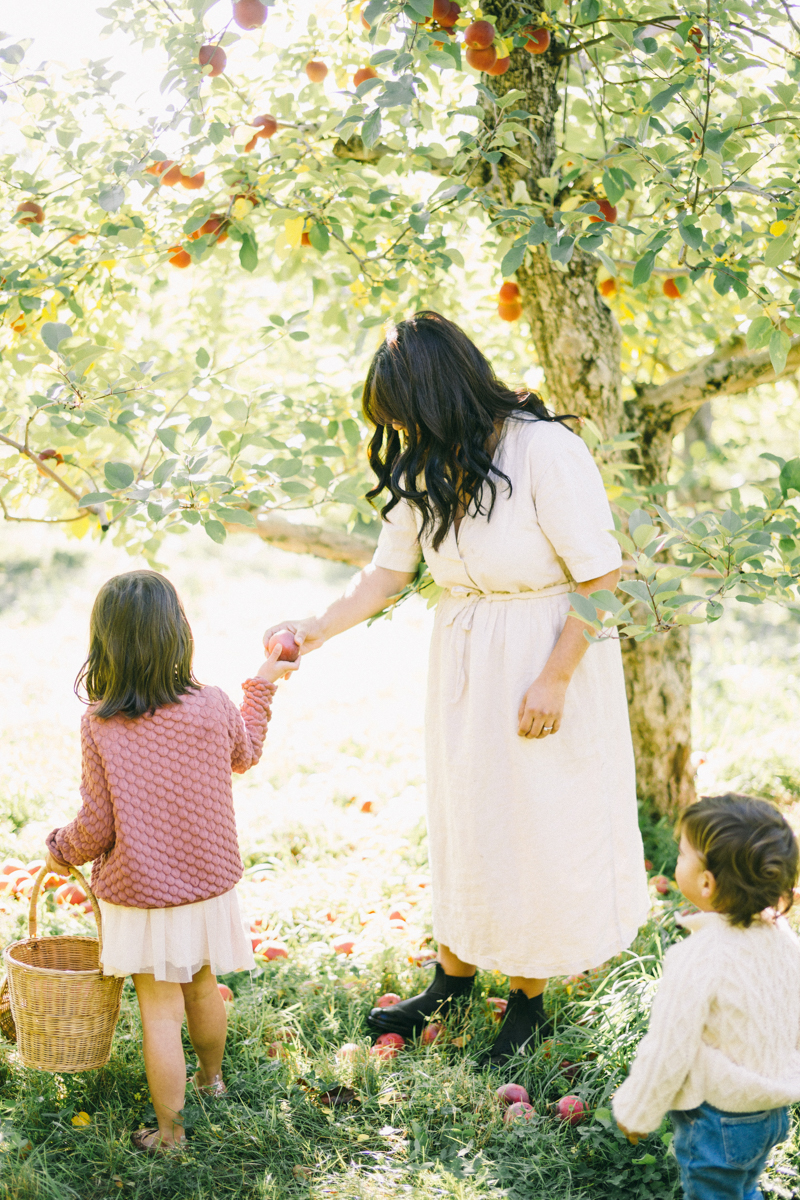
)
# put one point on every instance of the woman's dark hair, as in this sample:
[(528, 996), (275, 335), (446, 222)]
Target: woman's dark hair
[(749, 849), (140, 647), (431, 379)]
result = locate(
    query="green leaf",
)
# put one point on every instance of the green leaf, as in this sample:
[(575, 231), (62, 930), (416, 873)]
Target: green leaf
[(790, 476), (319, 238), (606, 600), (163, 471), (199, 426), (643, 535), (216, 132), (94, 498), (169, 438), (779, 346), (613, 188), (202, 358), (662, 99), (687, 619), (248, 251), (583, 607), (691, 235), (647, 1160), (779, 249), (759, 333), (644, 268), (604, 1115), (512, 260), (112, 199), (118, 475), (236, 409), (371, 129), (715, 139), (215, 529), (53, 333), (236, 516)]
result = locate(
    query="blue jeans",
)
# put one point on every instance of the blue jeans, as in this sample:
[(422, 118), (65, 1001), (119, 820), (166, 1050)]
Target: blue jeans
[(721, 1155)]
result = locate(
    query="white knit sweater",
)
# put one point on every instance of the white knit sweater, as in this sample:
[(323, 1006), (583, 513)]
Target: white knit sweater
[(724, 1028)]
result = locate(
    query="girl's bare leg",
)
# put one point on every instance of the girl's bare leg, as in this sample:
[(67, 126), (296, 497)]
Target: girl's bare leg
[(161, 1006), (208, 1023)]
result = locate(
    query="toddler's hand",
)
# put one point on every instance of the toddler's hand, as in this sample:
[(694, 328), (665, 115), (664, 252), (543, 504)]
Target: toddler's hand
[(274, 669), (633, 1138), (56, 867)]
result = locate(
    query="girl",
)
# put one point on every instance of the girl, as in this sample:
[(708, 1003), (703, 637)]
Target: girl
[(158, 821), (722, 1054)]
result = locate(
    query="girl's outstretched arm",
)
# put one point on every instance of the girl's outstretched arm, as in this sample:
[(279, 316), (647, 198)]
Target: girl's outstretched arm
[(92, 832), (248, 724)]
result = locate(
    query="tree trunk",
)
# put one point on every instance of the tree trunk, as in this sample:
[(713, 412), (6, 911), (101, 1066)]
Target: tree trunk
[(579, 342)]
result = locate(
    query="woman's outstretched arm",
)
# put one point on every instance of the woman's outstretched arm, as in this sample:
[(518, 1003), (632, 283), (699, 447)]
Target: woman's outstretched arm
[(371, 590), (543, 704)]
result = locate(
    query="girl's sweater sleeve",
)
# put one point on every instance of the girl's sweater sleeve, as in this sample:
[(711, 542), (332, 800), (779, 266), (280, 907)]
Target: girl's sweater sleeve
[(670, 1046), (249, 724), (92, 832)]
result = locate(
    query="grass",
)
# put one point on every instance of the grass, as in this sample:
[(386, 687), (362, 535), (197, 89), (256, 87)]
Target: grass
[(332, 830)]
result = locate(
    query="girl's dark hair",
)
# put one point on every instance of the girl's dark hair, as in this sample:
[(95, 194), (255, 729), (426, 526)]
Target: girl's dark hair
[(140, 647), (430, 378), (749, 849)]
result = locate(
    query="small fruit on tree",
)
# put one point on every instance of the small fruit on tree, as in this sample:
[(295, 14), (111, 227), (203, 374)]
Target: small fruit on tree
[(479, 35), (387, 1000), (171, 176), (34, 213), (225, 992), (571, 1108), (305, 240), (671, 289), (178, 257), (193, 182), (509, 291), (289, 647), (538, 40), (213, 56), (388, 1045), (446, 13), (481, 60), (316, 70), (214, 226), (512, 1093), (58, 459), (696, 37), (362, 74), (510, 312), (499, 67), (607, 209), (249, 14), (607, 287), (519, 1111)]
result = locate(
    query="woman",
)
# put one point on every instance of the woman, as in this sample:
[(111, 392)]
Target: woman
[(536, 859)]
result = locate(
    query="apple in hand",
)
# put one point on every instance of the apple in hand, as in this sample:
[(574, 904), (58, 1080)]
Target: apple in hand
[(290, 651)]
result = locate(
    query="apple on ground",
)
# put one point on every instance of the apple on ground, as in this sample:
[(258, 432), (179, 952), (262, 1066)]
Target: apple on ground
[(571, 1109), (512, 1093), (272, 950), (396, 915), (290, 651), (36, 864), (344, 946), (497, 1006), (387, 1046), (519, 1110), (347, 1052), (387, 1000), (661, 884), (225, 992), (431, 1033), (277, 1050)]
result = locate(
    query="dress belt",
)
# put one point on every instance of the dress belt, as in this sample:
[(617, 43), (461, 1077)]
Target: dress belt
[(464, 609)]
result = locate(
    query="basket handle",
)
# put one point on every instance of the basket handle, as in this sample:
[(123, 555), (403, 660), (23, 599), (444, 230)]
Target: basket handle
[(37, 887)]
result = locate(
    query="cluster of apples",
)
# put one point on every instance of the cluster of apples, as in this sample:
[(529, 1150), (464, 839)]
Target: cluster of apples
[(248, 14), (171, 173), (568, 1108), (609, 287), (485, 52), (509, 305), (17, 879)]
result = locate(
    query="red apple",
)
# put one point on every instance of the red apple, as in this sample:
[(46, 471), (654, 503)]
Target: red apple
[(671, 289), (509, 291), (347, 1052), (34, 213), (661, 884), (178, 257), (648, 866), (214, 56), (521, 1109), (366, 807), (36, 864), (285, 638), (608, 211), (446, 13), (538, 40), (512, 1093), (571, 1108), (431, 1032), (498, 1006), (509, 312), (479, 35), (388, 1045), (499, 67), (225, 992), (344, 946), (387, 1000), (481, 59), (249, 14), (193, 182), (277, 1050)]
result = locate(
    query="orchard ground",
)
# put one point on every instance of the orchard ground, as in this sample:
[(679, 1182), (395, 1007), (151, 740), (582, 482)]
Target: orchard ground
[(332, 832)]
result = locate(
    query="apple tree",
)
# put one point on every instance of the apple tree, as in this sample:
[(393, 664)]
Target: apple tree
[(188, 294)]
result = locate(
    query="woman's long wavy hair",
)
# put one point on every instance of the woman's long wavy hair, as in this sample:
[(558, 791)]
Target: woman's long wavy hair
[(431, 379), (140, 647)]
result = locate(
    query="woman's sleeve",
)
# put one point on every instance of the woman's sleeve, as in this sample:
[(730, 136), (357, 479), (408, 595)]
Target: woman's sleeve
[(249, 723), (573, 510), (398, 545), (92, 832)]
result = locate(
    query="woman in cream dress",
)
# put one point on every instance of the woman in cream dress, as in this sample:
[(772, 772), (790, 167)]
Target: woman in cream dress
[(536, 859)]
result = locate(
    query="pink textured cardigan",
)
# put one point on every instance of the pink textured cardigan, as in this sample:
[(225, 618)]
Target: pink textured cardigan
[(157, 815)]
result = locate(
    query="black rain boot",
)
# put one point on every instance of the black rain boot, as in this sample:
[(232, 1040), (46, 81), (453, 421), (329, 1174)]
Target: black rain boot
[(524, 1019), (409, 1017)]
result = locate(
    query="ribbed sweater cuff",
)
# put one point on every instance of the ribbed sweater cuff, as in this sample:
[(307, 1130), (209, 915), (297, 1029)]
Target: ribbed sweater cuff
[(259, 690)]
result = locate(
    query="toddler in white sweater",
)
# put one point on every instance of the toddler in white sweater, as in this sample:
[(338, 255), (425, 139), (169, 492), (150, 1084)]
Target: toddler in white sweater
[(722, 1054)]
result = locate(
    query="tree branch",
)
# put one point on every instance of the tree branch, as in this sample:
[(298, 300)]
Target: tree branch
[(723, 373), (334, 544)]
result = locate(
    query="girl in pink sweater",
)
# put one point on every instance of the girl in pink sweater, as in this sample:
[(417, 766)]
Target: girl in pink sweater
[(157, 820)]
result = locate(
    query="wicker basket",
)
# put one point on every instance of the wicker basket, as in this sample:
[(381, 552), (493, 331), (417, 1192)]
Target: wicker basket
[(7, 1026), (64, 1009)]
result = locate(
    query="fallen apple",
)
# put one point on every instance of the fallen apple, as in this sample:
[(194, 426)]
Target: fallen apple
[(431, 1033), (661, 884), (277, 1050), (520, 1109), (512, 1093), (344, 946), (388, 1045), (347, 1052), (225, 992), (497, 1006), (290, 651), (396, 915), (387, 1000), (571, 1109)]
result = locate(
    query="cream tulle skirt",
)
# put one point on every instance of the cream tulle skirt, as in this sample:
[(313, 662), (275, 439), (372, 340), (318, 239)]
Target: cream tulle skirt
[(174, 943)]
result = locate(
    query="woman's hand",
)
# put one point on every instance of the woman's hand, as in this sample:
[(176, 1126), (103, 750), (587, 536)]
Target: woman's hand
[(542, 708), (276, 668), (308, 634)]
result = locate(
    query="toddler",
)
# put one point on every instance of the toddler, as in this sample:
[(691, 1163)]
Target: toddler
[(721, 1055), (157, 818)]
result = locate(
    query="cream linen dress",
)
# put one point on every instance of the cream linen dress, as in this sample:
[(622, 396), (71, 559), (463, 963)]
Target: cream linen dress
[(536, 859)]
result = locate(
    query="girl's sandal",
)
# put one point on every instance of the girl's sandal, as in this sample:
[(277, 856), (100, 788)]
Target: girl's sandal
[(214, 1090), (149, 1142)]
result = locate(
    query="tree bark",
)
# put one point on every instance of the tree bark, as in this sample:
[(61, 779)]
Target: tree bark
[(334, 544)]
